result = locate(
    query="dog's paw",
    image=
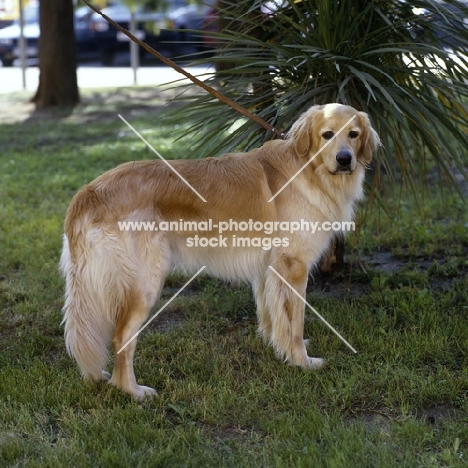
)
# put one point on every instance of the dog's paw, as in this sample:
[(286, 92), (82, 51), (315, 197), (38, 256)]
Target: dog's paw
[(316, 363), (307, 362), (106, 376), (140, 392)]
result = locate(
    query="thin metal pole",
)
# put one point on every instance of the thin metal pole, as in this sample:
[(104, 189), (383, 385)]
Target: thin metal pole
[(134, 55), (22, 44)]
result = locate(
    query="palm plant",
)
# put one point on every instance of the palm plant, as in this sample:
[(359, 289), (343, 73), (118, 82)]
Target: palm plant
[(403, 64)]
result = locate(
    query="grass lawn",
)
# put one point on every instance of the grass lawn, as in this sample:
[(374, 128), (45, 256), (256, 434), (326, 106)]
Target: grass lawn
[(224, 399)]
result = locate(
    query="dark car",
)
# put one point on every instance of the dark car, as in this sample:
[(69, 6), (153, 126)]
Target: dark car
[(172, 32), (95, 38), (85, 38), (9, 36), (157, 29)]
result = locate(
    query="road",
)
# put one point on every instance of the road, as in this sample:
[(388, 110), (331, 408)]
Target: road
[(97, 77)]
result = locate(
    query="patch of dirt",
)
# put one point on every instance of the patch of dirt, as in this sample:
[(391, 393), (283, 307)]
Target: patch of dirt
[(167, 320), (374, 421), (382, 421), (332, 286), (440, 414), (352, 280), (232, 433), (179, 413), (343, 281), (385, 262)]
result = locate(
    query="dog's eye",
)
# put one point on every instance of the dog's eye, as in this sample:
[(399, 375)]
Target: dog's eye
[(353, 134), (328, 135)]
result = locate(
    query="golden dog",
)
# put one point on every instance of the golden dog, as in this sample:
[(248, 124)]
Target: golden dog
[(114, 276)]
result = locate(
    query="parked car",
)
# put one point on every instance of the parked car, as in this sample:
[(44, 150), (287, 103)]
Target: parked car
[(10, 36), (157, 29), (169, 32)]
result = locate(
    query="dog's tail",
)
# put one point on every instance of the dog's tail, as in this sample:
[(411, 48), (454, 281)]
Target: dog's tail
[(87, 328), (96, 286)]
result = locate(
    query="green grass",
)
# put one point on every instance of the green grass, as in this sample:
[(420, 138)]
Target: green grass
[(224, 399)]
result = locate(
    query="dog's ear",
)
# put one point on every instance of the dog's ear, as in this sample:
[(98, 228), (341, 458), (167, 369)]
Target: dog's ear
[(301, 133), (371, 140)]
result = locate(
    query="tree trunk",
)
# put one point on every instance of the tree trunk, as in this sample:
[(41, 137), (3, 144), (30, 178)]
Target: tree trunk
[(58, 85)]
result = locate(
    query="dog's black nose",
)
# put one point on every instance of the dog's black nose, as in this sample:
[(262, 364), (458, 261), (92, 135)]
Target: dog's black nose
[(344, 157)]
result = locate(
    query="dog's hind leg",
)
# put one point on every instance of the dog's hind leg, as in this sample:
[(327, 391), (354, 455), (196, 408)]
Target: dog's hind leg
[(287, 310), (153, 265), (132, 317)]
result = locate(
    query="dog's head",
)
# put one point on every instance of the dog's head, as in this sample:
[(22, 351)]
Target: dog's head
[(335, 135)]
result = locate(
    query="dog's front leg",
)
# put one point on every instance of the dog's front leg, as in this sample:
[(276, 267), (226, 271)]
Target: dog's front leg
[(263, 314), (287, 310)]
